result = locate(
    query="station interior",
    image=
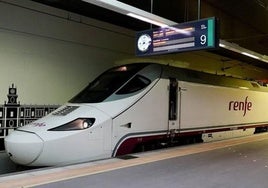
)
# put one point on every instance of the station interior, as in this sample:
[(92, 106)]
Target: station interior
[(51, 49)]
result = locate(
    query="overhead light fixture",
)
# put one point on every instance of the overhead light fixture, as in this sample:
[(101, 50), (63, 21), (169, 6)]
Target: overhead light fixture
[(134, 12), (250, 55), (147, 20), (238, 49), (222, 45), (142, 15)]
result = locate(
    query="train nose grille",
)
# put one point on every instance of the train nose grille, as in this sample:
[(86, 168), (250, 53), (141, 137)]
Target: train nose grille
[(66, 110)]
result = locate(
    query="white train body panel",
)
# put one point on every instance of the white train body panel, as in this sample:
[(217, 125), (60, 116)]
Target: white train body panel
[(153, 108), (206, 106), (130, 106)]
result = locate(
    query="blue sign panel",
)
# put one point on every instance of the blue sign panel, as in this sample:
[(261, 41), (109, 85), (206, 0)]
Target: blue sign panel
[(189, 36)]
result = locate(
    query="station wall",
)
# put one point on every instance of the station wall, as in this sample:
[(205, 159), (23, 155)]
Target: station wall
[(51, 54)]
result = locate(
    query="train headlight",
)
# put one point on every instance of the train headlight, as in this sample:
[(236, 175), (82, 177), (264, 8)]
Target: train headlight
[(77, 124)]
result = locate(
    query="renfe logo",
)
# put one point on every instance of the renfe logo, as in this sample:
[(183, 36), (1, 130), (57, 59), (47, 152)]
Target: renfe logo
[(240, 106)]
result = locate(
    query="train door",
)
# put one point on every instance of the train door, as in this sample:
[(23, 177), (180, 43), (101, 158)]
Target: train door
[(173, 119)]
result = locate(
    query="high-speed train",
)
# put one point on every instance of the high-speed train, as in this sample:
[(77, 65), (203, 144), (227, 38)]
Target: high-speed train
[(133, 106)]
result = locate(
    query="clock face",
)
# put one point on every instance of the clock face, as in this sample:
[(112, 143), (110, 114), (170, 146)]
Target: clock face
[(12, 91), (144, 42)]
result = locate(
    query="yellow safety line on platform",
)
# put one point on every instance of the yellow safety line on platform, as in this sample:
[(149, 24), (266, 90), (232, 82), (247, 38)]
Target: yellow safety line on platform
[(66, 173)]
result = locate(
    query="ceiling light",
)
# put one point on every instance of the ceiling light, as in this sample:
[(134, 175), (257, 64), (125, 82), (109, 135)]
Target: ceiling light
[(250, 55), (238, 49), (222, 45), (125, 9), (147, 20)]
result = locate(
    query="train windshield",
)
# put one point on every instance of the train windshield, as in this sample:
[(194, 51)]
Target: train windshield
[(106, 84)]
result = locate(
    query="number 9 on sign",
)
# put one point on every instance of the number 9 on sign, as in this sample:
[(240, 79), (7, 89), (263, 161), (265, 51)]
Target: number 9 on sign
[(203, 39)]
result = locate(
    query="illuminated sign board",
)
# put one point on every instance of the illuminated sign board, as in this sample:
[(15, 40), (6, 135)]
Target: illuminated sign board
[(196, 35)]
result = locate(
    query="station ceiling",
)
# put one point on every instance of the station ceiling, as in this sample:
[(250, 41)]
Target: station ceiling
[(243, 22)]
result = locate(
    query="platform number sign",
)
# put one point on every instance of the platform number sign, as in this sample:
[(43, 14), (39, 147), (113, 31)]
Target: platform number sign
[(189, 36), (203, 39)]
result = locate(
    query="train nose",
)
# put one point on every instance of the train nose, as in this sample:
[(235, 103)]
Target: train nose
[(23, 147)]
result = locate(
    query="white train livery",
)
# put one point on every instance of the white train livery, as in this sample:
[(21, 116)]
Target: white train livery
[(131, 107)]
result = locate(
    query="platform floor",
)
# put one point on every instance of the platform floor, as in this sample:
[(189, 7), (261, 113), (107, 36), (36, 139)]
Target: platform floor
[(6, 165), (234, 163)]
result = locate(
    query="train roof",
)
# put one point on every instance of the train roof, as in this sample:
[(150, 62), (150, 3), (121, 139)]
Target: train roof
[(211, 79)]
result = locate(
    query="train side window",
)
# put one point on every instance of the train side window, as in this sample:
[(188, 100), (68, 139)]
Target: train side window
[(137, 83)]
